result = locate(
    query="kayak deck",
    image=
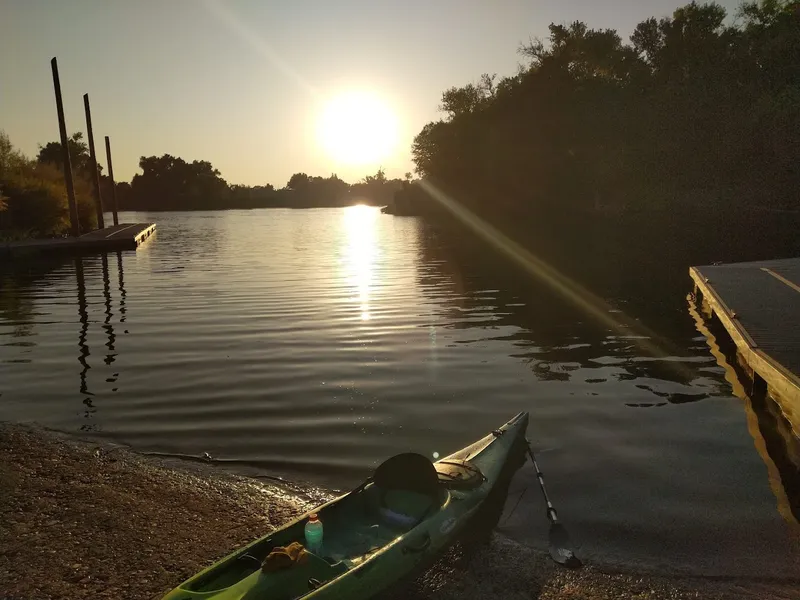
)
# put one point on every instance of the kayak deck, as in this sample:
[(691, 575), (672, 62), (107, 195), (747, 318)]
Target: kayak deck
[(393, 526)]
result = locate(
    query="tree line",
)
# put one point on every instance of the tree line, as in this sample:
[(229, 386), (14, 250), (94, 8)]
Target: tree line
[(693, 109), (170, 183), (33, 199)]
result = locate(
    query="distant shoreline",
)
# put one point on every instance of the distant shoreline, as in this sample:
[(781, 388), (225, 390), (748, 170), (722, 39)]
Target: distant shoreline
[(223, 208)]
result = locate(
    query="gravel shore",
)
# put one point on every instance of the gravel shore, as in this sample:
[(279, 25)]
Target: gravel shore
[(85, 520)]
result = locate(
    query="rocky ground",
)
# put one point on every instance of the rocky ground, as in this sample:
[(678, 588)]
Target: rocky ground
[(87, 520)]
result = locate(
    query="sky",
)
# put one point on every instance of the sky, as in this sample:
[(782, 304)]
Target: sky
[(243, 83)]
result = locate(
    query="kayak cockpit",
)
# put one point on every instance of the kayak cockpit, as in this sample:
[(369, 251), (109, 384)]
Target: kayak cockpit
[(356, 527)]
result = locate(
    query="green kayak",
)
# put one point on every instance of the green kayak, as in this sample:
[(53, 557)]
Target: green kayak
[(398, 521)]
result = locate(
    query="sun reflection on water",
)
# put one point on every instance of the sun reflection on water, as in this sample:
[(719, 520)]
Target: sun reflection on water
[(361, 252)]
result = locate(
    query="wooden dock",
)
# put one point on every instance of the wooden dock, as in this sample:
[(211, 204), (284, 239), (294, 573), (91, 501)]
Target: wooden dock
[(125, 236), (758, 303)]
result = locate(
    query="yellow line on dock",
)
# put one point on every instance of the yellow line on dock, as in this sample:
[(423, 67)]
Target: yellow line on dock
[(782, 279), (122, 230)]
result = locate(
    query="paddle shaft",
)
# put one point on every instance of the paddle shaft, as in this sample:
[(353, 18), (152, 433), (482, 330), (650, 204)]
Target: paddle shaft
[(551, 511)]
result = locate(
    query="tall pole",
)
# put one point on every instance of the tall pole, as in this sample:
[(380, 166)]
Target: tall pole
[(113, 185), (75, 227), (98, 200)]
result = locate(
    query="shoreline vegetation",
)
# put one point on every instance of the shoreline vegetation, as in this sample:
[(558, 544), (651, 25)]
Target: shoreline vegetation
[(88, 519), (33, 200), (696, 111), (33, 197)]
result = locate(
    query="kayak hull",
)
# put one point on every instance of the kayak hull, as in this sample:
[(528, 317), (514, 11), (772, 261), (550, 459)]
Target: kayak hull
[(363, 556)]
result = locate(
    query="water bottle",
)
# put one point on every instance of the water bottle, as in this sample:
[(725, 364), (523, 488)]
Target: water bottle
[(313, 533)]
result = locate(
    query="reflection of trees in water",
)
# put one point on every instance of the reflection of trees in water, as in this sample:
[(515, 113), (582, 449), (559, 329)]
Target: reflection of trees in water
[(204, 236), (638, 263), (551, 334), (772, 432), (15, 308), (84, 351), (20, 279), (16, 304)]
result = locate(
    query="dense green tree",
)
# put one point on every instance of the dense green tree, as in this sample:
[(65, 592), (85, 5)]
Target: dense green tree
[(33, 198), (79, 156), (692, 107), (298, 182), (170, 183), (375, 189)]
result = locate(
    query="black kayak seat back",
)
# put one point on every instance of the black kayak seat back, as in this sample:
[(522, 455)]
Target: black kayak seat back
[(409, 472), (408, 489)]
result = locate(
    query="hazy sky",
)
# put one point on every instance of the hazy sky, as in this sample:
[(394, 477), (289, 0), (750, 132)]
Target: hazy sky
[(241, 83)]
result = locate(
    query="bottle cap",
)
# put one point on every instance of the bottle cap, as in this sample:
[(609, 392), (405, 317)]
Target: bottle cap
[(312, 517)]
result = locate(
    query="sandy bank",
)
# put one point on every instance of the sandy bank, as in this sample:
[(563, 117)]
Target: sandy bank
[(87, 520)]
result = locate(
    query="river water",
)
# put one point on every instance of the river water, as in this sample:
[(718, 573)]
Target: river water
[(311, 344)]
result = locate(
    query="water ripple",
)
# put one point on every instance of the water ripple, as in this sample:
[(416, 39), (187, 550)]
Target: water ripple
[(311, 344)]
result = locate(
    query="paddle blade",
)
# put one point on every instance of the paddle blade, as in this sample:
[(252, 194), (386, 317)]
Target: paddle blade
[(561, 547)]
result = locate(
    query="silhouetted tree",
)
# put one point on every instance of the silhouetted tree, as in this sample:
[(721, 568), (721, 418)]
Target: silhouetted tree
[(33, 198), (170, 183), (50, 153), (691, 104), (375, 189), (298, 182)]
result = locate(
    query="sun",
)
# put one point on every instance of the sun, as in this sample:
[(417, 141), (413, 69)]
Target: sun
[(358, 128)]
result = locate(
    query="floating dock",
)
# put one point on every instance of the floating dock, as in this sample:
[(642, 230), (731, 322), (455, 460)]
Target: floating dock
[(126, 236), (758, 303)]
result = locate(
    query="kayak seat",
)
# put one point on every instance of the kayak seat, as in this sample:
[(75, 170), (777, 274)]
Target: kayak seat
[(408, 490), (404, 509)]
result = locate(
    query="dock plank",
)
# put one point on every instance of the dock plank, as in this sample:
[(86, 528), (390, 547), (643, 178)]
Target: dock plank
[(758, 303), (125, 236)]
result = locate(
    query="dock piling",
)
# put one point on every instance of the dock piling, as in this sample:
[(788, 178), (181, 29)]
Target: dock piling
[(75, 228), (98, 199), (113, 184)]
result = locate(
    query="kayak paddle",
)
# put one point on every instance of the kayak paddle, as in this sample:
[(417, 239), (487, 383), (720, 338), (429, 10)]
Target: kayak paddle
[(560, 545)]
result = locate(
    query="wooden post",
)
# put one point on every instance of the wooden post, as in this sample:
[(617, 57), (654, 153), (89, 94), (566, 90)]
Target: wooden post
[(98, 199), (75, 228), (113, 185)]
